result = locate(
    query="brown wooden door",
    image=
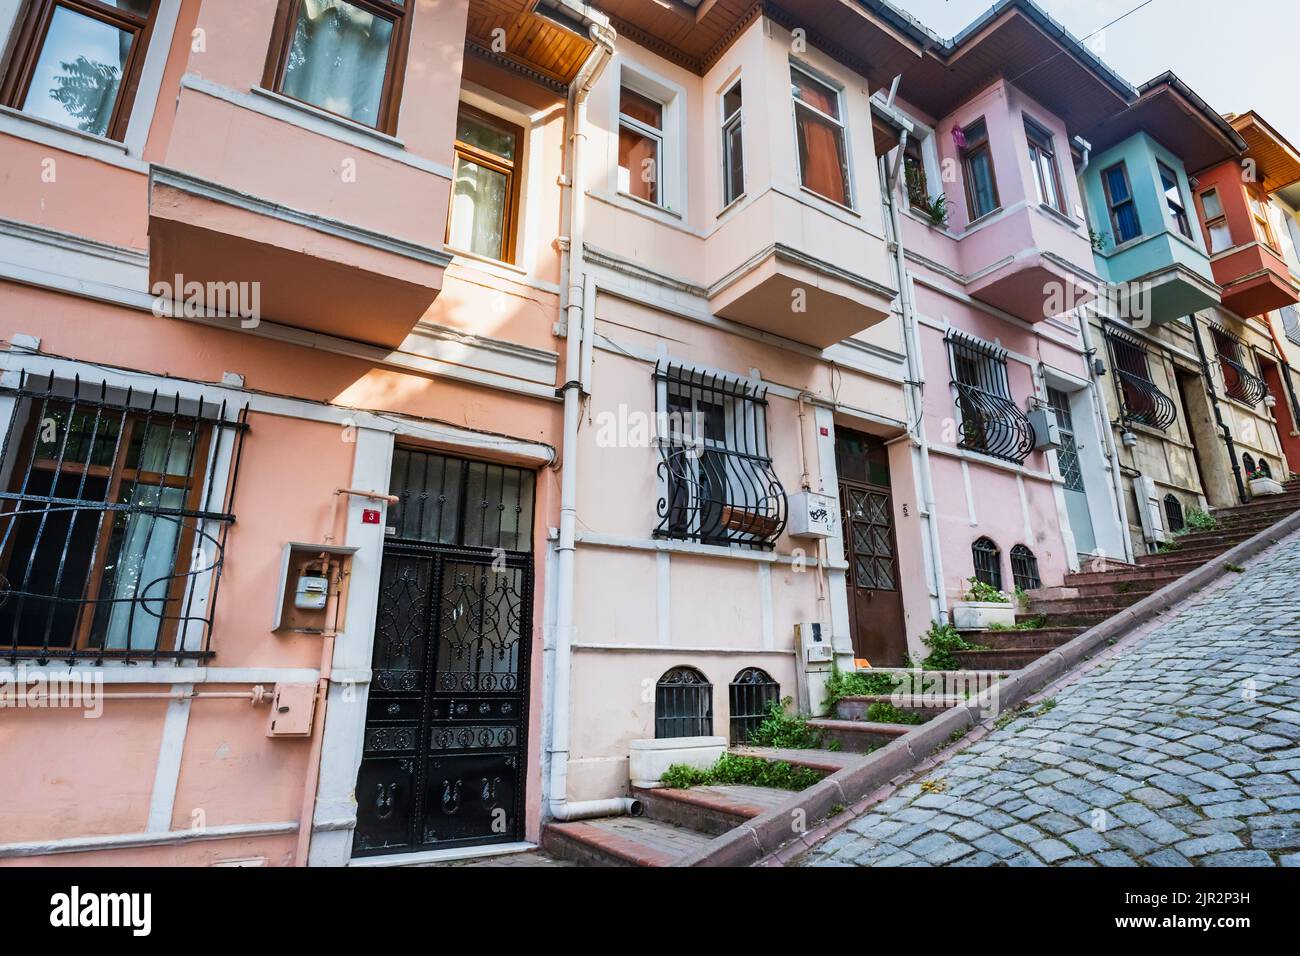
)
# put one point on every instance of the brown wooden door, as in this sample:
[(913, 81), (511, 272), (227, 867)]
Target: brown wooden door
[(870, 549)]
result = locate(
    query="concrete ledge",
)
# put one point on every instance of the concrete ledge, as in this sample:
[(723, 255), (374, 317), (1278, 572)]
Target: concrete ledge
[(765, 835)]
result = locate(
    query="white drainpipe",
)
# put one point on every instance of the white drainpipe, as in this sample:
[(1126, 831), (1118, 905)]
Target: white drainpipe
[(579, 296), (912, 392)]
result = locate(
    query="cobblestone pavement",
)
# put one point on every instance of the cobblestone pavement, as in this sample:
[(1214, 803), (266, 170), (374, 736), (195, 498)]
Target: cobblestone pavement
[(1182, 749)]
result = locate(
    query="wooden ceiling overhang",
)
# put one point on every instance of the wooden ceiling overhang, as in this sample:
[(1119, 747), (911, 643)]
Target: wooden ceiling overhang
[(1174, 116), (1017, 42), (1277, 160), (870, 36)]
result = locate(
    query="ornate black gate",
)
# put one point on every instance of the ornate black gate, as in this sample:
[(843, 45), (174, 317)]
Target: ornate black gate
[(445, 742)]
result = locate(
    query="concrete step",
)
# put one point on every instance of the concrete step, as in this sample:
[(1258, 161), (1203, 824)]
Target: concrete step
[(1137, 574), (713, 810), (859, 736), (1188, 556), (1044, 638), (1086, 604), (1288, 501), (827, 761), (621, 841), (855, 708), (1079, 619), (1139, 586), (1011, 659)]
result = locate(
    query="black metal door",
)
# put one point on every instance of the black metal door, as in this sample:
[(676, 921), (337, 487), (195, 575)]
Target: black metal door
[(445, 741)]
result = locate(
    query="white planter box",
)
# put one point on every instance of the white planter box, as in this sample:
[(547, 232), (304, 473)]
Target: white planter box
[(981, 615), (648, 759), (1265, 486)]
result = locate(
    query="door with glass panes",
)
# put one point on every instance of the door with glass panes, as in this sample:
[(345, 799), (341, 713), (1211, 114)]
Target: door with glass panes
[(1067, 459)]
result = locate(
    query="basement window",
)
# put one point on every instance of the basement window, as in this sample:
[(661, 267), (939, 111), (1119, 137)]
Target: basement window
[(1174, 519), (1024, 568), (988, 562), (683, 704)]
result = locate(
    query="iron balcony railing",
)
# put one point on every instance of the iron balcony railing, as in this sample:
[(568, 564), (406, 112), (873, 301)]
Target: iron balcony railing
[(991, 423), (1238, 381), (1291, 323), (1140, 400), (717, 481), (114, 513)]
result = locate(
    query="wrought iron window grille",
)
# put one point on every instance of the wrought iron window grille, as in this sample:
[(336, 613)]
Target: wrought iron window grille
[(1024, 568), (1140, 399), (988, 562), (1174, 514), (1238, 381), (114, 511), (683, 704), (991, 423), (750, 695), (716, 478)]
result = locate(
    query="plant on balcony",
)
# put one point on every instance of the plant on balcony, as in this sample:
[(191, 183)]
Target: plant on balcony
[(935, 208)]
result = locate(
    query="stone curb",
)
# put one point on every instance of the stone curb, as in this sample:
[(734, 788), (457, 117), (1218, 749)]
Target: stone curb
[(772, 832)]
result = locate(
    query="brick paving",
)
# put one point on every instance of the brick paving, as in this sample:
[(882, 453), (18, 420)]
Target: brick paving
[(1181, 749)]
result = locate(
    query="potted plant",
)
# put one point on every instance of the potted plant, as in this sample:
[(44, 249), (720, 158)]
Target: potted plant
[(982, 607), (1261, 482)]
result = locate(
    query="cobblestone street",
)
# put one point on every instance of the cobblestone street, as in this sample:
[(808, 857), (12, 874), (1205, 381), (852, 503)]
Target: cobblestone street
[(1182, 749)]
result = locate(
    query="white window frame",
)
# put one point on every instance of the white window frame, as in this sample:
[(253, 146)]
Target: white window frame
[(726, 123), (673, 192), (1207, 223), (843, 123)]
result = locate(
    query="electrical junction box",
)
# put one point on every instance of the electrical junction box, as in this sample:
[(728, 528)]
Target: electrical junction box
[(813, 515), (292, 709), (816, 650), (1047, 433), (1151, 512)]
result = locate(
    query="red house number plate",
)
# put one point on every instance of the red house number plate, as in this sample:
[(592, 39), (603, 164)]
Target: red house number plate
[(370, 516)]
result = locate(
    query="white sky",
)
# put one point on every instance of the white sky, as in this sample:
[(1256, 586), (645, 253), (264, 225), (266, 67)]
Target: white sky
[(1238, 55)]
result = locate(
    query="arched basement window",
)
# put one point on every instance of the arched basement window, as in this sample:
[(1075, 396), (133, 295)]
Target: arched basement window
[(988, 562), (1024, 568), (1174, 513), (751, 694), (1248, 463), (683, 704)]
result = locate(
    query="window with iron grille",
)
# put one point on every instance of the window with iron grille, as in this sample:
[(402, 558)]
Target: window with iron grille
[(456, 501), (988, 562), (116, 508), (1263, 470), (1024, 568), (1139, 399), (1174, 513), (1248, 463), (751, 694), (1238, 381), (1291, 323), (991, 423), (717, 483), (683, 704)]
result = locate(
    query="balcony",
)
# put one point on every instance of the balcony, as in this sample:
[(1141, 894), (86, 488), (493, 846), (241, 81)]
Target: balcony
[(1255, 279), (1160, 277), (309, 272)]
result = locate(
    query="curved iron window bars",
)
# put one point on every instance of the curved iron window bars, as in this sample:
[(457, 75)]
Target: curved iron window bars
[(113, 521), (1174, 513), (991, 423), (1140, 400), (751, 694), (717, 482), (1024, 568), (988, 562), (1238, 381), (683, 704)]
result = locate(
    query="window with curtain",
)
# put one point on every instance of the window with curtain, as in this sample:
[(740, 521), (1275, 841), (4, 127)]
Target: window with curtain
[(485, 185), (1174, 200), (733, 148), (819, 129), (1119, 199), (640, 146), (1216, 221), (1042, 157), (343, 56), (977, 165), (77, 62)]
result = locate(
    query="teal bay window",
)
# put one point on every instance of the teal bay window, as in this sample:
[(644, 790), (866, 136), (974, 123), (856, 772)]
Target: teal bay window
[(1124, 219)]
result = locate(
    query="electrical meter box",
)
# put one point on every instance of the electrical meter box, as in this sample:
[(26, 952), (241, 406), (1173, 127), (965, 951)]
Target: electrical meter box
[(1047, 433), (307, 574), (292, 709), (813, 515), (312, 593)]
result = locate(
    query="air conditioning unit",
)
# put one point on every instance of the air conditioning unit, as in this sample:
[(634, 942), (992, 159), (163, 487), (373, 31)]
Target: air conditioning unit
[(1150, 511)]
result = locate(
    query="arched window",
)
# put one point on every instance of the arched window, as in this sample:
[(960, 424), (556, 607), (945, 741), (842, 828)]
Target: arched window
[(1264, 470), (1174, 514), (751, 694), (1024, 568), (1248, 463), (988, 562), (683, 704)]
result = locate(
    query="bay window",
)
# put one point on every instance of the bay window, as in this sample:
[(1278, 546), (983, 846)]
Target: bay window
[(1042, 156), (977, 164), (640, 146), (820, 132), (1216, 221), (1119, 200), (1174, 199), (342, 56), (733, 149), (485, 186), (77, 63)]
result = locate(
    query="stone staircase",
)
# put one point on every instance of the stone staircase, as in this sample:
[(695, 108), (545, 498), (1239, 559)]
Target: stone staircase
[(677, 823), (1092, 596)]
